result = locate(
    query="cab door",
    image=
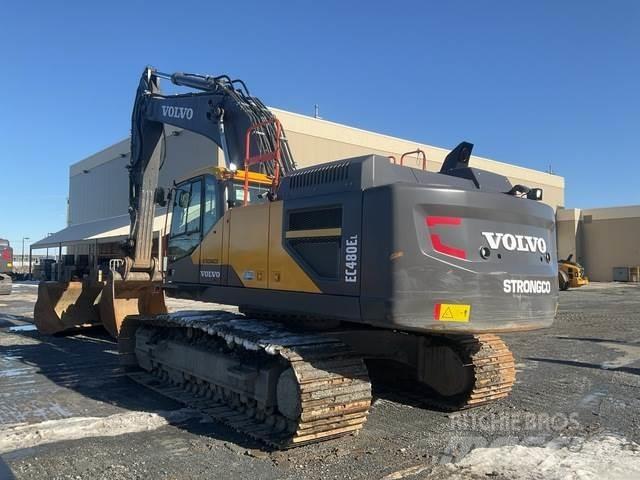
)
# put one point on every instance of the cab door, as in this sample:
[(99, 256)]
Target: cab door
[(186, 233), (211, 266)]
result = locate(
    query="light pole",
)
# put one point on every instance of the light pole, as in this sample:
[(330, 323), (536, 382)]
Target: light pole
[(23, 239)]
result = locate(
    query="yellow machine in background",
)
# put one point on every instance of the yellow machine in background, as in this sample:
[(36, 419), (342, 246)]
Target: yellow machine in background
[(571, 274)]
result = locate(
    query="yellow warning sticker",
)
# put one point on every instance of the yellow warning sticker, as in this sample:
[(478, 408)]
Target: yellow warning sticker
[(450, 312)]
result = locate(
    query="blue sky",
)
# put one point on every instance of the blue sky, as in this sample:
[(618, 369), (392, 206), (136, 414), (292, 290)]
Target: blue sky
[(533, 83)]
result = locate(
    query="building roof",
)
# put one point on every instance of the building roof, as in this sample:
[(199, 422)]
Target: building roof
[(603, 213)]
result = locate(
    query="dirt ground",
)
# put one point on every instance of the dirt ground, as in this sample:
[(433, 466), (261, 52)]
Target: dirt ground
[(67, 411)]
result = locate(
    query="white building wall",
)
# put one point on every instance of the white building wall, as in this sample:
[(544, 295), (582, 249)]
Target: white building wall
[(99, 185), (103, 191)]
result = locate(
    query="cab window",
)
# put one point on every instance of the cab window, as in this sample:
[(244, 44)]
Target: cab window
[(210, 215), (186, 219), (186, 209), (256, 193)]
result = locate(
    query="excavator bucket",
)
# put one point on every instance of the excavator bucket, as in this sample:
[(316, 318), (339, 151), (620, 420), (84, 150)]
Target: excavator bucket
[(64, 306), (121, 298)]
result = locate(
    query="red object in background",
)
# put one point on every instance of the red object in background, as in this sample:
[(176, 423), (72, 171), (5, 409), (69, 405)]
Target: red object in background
[(7, 254)]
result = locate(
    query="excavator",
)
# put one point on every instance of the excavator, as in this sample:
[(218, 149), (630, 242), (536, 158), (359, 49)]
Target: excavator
[(333, 268)]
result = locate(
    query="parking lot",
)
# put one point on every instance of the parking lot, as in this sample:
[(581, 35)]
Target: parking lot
[(67, 410)]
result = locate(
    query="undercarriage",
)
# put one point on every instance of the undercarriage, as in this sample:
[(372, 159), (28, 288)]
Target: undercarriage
[(288, 386)]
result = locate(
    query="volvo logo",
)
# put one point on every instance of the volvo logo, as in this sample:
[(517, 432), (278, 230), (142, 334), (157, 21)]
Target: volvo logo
[(520, 243), (177, 112)]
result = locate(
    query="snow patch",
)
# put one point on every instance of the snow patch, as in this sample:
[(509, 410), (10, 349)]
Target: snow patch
[(26, 436), (27, 283), (627, 354), (29, 327), (607, 456)]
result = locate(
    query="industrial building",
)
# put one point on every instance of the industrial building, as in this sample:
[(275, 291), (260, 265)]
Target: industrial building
[(601, 239), (98, 185), (98, 190)]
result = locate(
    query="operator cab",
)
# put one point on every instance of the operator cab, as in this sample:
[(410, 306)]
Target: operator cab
[(196, 205)]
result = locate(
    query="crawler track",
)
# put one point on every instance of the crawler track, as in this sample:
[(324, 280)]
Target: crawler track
[(493, 366), (332, 383), (328, 380), (493, 372)]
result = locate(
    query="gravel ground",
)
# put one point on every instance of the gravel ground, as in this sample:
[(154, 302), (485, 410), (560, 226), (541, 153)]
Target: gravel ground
[(68, 412)]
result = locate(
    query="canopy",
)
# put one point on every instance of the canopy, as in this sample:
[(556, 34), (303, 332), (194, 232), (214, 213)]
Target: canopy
[(105, 230)]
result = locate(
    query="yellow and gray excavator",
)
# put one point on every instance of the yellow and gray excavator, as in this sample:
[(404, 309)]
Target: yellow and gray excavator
[(333, 267)]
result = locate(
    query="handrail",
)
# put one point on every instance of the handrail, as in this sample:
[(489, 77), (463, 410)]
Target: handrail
[(418, 151), (264, 157)]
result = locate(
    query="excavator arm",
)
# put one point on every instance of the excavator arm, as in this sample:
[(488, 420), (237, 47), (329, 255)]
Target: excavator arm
[(220, 109)]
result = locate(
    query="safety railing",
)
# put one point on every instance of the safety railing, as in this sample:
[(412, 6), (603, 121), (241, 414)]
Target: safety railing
[(273, 156), (418, 152)]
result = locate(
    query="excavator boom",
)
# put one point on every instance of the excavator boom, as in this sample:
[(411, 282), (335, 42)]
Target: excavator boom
[(221, 110)]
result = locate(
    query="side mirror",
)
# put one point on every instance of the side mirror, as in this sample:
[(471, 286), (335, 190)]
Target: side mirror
[(184, 198), (160, 197)]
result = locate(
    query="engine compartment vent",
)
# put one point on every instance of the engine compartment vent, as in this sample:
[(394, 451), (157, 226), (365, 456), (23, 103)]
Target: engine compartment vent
[(315, 219), (334, 173)]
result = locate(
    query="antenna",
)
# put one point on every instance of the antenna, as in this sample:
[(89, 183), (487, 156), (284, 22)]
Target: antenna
[(316, 111)]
